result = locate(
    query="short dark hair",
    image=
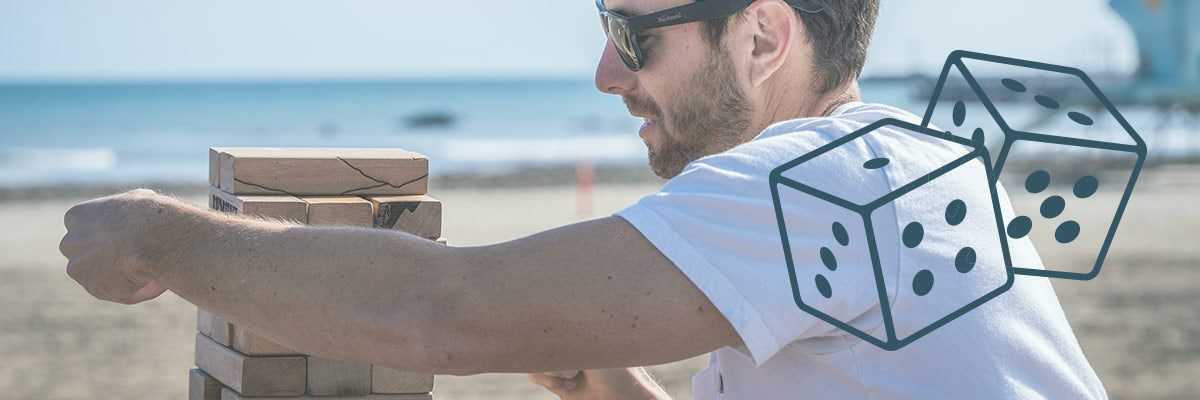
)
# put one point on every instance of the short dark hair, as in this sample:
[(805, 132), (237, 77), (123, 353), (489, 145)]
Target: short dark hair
[(839, 35)]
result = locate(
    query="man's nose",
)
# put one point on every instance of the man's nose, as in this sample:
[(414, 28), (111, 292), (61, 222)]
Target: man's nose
[(612, 76)]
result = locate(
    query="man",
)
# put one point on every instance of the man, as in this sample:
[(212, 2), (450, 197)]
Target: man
[(696, 268)]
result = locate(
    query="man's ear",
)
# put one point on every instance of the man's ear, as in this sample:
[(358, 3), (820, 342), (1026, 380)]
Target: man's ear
[(773, 25)]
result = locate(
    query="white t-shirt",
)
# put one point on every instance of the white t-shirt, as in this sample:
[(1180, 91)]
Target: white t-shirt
[(716, 222)]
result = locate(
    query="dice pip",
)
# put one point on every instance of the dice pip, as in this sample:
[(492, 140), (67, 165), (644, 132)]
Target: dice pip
[(1038, 121), (905, 214)]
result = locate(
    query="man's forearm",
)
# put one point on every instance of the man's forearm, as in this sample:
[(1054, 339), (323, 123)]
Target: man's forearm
[(349, 293)]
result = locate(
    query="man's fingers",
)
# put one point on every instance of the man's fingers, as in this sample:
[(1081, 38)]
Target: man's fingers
[(150, 291), (78, 267), (69, 217), (105, 283), (553, 383), (565, 374), (72, 220), (67, 245), (542, 380)]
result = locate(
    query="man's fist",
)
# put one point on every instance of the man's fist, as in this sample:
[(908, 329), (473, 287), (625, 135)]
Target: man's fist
[(107, 244)]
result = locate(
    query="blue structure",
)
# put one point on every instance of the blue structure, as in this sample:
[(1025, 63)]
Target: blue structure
[(1168, 38)]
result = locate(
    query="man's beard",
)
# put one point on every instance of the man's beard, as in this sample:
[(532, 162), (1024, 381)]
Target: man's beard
[(710, 118)]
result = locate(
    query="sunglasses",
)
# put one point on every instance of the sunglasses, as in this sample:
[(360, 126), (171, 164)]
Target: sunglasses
[(623, 31)]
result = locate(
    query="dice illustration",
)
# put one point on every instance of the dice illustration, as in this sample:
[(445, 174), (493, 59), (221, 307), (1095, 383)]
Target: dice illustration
[(891, 231), (1059, 146)]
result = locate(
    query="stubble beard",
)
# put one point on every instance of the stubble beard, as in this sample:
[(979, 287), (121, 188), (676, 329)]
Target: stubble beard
[(711, 118)]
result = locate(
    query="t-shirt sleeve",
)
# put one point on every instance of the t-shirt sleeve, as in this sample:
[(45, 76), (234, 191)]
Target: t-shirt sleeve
[(716, 222)]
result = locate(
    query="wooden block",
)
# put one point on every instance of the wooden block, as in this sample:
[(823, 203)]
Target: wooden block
[(329, 377), (250, 343), (214, 327), (442, 241), (251, 376), (214, 166), (387, 380), (419, 215), (204, 322), (277, 207), (228, 394), (339, 210), (317, 171), (202, 386)]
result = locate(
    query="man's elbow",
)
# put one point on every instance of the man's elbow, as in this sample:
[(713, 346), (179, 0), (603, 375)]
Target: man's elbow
[(439, 345), (466, 321), (433, 332)]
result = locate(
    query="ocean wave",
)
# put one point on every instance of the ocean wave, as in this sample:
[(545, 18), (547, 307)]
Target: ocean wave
[(58, 159), (543, 150)]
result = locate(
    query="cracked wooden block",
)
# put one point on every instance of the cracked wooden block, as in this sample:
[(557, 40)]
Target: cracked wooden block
[(202, 386), (287, 208), (387, 380), (251, 376), (322, 171), (339, 210), (419, 215), (329, 377), (227, 394)]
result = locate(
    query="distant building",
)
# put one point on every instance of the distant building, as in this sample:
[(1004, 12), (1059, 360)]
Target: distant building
[(1168, 38)]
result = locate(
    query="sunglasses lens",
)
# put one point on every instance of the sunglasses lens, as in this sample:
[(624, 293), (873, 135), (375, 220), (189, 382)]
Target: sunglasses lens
[(621, 40)]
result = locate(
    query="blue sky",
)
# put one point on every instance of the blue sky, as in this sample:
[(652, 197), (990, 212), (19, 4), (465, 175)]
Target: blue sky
[(88, 40)]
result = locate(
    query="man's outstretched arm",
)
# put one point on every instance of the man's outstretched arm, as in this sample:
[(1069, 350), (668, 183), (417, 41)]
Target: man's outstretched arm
[(590, 295)]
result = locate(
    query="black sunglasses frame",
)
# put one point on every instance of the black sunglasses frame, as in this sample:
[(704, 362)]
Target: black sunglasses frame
[(687, 13)]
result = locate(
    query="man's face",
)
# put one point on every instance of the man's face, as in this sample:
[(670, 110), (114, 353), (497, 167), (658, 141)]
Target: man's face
[(686, 91)]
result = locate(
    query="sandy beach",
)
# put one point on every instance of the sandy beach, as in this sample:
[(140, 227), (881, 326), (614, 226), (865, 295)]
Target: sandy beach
[(1137, 322)]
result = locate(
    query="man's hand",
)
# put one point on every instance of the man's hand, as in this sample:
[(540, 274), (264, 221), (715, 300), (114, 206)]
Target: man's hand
[(600, 384), (102, 245)]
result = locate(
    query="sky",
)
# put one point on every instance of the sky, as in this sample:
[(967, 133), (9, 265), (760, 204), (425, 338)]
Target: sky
[(176, 40)]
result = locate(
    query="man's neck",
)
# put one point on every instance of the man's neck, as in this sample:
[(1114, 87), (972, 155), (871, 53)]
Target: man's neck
[(822, 106), (832, 100)]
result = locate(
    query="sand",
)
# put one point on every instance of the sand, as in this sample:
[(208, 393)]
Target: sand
[(1137, 322)]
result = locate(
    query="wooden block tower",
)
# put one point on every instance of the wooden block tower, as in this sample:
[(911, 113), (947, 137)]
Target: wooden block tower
[(370, 188)]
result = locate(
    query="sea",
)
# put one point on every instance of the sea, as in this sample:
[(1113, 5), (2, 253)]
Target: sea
[(138, 133)]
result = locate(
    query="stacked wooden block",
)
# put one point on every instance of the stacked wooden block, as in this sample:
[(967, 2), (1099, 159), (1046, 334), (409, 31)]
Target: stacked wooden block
[(373, 188)]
